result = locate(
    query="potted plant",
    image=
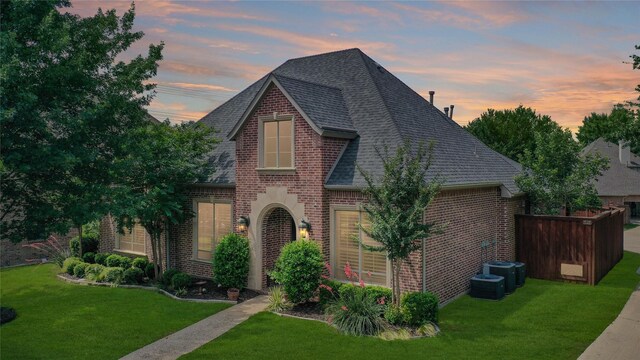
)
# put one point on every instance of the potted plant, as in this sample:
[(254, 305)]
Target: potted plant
[(231, 264)]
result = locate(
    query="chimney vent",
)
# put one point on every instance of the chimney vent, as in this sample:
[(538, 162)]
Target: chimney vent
[(451, 113), (446, 111), (431, 93), (624, 153)]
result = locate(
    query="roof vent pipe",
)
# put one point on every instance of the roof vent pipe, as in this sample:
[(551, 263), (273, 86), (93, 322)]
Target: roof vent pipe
[(431, 93), (451, 113), (446, 111)]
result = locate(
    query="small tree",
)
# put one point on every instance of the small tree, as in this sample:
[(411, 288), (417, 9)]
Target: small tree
[(163, 161), (396, 206), (558, 177)]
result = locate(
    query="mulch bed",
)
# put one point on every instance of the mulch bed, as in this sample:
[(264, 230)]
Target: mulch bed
[(308, 310)]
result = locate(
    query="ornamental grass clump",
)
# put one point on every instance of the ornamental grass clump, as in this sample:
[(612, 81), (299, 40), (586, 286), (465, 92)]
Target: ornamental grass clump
[(277, 300), (299, 270), (52, 249)]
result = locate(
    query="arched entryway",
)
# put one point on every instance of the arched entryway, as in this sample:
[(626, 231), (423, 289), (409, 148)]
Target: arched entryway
[(278, 229)]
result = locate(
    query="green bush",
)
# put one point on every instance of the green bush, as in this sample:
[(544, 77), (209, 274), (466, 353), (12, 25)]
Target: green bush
[(180, 280), (419, 308), (69, 264), (140, 262), (113, 275), (167, 276), (356, 313), (89, 257), (78, 270), (394, 315), (381, 294), (101, 258), (93, 271), (231, 261), (74, 246), (150, 271), (277, 301), (298, 269), (325, 295), (133, 275), (118, 261)]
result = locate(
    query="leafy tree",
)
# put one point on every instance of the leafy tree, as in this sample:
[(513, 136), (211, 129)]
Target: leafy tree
[(607, 126), (511, 132), (163, 161), (558, 177), (66, 105), (396, 206)]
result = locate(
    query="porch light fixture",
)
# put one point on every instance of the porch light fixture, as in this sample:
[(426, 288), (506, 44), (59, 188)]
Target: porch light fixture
[(243, 223), (304, 227)]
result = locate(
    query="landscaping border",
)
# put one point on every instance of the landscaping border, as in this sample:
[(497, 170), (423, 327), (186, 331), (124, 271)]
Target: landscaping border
[(148, 288)]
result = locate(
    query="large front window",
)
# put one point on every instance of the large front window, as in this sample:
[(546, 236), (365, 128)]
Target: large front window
[(134, 240), (371, 266), (213, 222), (277, 151)]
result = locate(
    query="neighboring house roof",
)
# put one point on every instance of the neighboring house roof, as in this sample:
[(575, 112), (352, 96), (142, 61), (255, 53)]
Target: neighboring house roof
[(620, 179), (347, 90)]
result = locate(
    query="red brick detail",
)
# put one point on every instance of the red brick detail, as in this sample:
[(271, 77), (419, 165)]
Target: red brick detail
[(507, 227), (278, 229)]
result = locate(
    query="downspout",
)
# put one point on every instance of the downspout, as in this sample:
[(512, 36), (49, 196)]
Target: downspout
[(424, 266), (167, 247)]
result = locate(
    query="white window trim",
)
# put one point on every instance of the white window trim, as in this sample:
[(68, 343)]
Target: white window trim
[(211, 200), (270, 118), (117, 244), (333, 243)]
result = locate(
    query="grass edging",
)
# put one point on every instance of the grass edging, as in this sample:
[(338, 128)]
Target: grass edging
[(148, 288)]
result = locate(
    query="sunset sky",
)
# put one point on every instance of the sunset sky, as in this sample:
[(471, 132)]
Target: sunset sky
[(564, 59)]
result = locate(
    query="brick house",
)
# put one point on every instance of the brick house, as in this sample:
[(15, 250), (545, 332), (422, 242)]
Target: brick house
[(290, 143), (619, 185)]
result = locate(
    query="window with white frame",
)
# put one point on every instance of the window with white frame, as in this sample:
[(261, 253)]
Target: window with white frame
[(370, 265), (277, 143), (133, 241), (213, 221)]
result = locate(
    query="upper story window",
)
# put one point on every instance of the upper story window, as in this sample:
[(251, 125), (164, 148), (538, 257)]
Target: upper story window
[(276, 142)]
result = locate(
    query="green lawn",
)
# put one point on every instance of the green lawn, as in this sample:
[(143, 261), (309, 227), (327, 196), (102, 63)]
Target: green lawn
[(57, 320), (542, 320), (630, 226)]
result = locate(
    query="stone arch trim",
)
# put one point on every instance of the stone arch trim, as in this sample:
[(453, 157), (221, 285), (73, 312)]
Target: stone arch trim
[(272, 197)]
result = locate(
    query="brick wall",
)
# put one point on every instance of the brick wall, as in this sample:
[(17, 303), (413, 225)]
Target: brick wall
[(507, 226), (276, 233), (17, 254), (314, 157)]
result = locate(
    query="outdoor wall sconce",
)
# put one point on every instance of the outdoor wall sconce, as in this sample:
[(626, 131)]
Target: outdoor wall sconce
[(304, 227), (243, 223)]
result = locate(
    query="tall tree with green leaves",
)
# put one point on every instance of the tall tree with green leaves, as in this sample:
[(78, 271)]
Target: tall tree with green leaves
[(162, 161), (557, 178), (66, 104), (511, 132), (396, 206), (607, 126)]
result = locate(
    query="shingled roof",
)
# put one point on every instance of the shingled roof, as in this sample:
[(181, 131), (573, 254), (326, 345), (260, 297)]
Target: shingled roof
[(349, 91), (619, 179)]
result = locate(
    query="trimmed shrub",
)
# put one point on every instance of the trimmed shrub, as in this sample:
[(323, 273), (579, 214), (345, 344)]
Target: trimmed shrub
[(150, 271), (419, 308), (74, 246), (167, 276), (298, 269), (115, 260), (112, 275), (140, 263), (92, 272), (133, 275), (394, 315), (90, 242), (357, 313), (7, 314), (180, 280), (69, 264), (89, 257), (231, 261), (101, 258), (79, 269)]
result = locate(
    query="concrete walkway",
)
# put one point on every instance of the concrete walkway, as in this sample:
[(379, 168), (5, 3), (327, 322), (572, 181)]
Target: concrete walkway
[(621, 339), (200, 333)]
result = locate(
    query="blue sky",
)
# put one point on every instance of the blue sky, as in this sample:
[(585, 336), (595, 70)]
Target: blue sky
[(564, 59)]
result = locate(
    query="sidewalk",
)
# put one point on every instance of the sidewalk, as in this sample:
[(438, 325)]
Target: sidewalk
[(621, 339), (200, 333)]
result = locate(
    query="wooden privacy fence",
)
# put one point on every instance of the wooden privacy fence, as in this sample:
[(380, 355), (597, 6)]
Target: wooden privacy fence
[(581, 249)]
